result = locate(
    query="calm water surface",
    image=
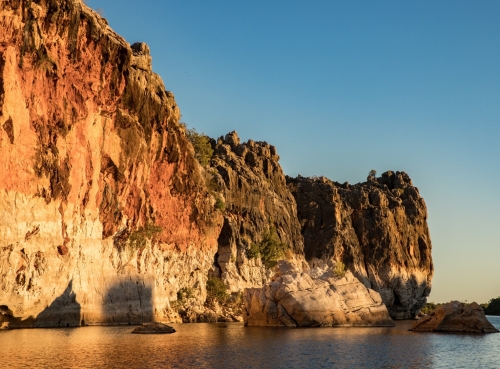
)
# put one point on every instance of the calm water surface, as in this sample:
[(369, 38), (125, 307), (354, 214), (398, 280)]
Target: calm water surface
[(235, 346)]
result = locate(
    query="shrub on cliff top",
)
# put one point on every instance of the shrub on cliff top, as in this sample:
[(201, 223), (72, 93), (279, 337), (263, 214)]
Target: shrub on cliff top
[(203, 151), (270, 249)]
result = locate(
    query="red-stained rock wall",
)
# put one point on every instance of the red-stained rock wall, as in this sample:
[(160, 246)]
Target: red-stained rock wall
[(104, 214)]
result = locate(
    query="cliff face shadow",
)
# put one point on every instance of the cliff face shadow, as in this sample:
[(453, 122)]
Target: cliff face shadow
[(64, 311), (128, 301)]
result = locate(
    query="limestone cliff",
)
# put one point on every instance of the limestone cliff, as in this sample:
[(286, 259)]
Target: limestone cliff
[(104, 213), (256, 198), (377, 228)]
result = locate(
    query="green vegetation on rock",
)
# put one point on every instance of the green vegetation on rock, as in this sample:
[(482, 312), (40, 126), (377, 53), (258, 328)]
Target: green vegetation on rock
[(493, 307), (137, 239), (339, 269), (216, 289), (184, 293), (270, 249), (220, 204), (490, 308), (430, 307), (203, 151)]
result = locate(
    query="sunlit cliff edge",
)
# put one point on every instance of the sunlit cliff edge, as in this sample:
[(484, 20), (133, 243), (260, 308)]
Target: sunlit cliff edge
[(105, 214)]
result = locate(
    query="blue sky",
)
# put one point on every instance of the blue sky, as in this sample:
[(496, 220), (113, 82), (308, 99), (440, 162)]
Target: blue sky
[(342, 87)]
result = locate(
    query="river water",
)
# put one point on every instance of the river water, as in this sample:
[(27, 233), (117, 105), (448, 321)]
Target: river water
[(231, 345)]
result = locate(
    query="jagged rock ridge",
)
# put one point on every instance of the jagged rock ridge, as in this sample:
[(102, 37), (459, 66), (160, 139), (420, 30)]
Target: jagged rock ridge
[(256, 197), (377, 228), (455, 316)]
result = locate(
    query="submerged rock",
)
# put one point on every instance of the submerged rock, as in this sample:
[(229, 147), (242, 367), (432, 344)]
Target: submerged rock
[(455, 317), (314, 298), (153, 328)]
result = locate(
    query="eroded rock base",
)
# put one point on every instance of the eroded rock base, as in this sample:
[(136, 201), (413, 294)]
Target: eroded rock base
[(314, 298)]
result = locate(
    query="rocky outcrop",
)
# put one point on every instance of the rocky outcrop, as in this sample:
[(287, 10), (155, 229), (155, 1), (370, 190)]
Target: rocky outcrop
[(455, 317), (378, 229), (315, 298), (104, 213), (256, 198), (153, 328), (213, 311)]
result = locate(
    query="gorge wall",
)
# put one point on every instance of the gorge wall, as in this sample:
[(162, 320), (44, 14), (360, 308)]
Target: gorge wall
[(105, 214), (256, 198), (378, 229)]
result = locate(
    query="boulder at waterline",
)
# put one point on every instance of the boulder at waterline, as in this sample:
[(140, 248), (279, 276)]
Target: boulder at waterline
[(153, 328), (455, 317), (314, 298)]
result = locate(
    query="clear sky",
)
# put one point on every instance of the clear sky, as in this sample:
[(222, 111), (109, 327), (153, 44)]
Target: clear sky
[(342, 87)]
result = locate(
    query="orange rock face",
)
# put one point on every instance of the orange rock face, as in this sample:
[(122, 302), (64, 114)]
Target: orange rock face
[(103, 211)]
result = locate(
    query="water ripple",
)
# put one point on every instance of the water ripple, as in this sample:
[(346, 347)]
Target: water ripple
[(230, 345)]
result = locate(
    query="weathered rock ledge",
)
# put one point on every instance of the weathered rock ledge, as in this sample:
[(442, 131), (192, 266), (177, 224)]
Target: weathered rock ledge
[(455, 317), (314, 298)]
